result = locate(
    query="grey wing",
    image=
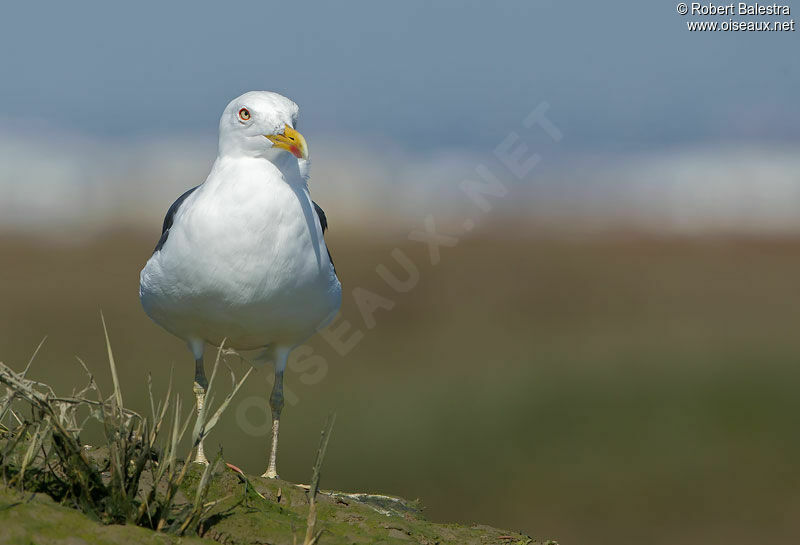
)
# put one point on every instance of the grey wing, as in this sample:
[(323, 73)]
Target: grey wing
[(323, 222), (170, 217)]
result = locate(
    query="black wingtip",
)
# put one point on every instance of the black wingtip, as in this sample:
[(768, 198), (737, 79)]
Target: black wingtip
[(323, 222), (168, 219), (323, 219)]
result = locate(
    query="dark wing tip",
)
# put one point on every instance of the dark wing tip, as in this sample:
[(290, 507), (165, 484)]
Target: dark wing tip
[(169, 218), (323, 219), (323, 222)]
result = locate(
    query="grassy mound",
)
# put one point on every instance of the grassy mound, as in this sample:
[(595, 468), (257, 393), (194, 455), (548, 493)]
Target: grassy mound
[(35, 519), (246, 510), (136, 489)]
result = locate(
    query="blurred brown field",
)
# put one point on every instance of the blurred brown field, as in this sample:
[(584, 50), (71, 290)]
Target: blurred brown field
[(594, 390)]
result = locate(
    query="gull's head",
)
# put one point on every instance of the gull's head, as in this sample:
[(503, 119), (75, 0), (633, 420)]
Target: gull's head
[(261, 124)]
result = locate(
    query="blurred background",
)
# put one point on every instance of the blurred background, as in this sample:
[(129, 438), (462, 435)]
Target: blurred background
[(605, 350)]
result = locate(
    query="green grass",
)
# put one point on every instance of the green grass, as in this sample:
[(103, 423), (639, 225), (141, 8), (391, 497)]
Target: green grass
[(135, 478), (134, 475)]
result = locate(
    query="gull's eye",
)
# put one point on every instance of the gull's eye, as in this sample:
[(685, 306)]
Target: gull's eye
[(244, 114)]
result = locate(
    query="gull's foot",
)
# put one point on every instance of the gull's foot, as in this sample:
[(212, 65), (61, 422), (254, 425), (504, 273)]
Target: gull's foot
[(200, 459), (270, 474)]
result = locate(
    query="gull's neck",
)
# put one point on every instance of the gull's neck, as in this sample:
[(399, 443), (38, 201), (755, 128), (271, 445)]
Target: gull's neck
[(282, 164)]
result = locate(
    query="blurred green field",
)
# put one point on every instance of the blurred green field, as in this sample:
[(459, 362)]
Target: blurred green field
[(618, 389)]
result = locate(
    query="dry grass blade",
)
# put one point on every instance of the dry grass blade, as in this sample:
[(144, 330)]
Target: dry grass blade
[(92, 385), (112, 364), (312, 535), (204, 426), (160, 411), (323, 447), (33, 356), (33, 446), (176, 436), (25, 389), (224, 405), (6, 406), (10, 392), (150, 394)]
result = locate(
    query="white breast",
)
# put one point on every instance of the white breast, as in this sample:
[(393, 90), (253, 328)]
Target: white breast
[(245, 260)]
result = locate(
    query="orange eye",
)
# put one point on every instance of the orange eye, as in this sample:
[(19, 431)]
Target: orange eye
[(244, 114)]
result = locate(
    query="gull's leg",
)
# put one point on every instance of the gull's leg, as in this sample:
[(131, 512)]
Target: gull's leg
[(199, 387), (276, 405)]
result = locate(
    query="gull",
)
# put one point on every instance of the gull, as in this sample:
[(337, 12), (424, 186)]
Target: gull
[(242, 258)]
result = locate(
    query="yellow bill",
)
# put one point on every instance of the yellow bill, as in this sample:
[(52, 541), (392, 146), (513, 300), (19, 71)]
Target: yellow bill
[(291, 141)]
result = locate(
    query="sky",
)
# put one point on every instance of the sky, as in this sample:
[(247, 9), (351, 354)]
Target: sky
[(400, 101), (620, 77)]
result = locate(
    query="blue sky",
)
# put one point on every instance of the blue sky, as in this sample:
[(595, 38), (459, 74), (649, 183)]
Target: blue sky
[(621, 77)]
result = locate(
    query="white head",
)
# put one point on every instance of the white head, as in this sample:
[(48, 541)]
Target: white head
[(261, 124)]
